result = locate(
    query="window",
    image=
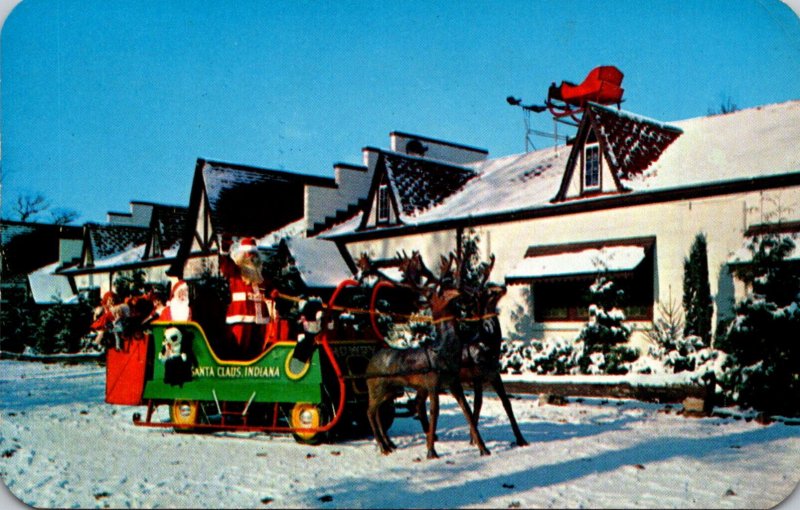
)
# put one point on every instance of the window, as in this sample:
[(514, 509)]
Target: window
[(383, 203), (556, 301), (591, 167)]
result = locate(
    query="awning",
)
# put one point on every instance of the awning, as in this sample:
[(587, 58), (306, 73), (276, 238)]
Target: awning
[(585, 262)]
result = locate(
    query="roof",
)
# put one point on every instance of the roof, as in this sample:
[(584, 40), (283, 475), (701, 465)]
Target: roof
[(48, 288), (250, 201), (27, 246), (736, 147), (632, 142), (168, 225), (318, 261), (108, 240), (420, 184), (747, 143)]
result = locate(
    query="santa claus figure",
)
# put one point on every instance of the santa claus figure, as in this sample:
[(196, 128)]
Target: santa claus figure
[(178, 308), (249, 310)]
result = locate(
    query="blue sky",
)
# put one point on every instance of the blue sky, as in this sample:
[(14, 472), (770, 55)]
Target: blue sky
[(107, 102)]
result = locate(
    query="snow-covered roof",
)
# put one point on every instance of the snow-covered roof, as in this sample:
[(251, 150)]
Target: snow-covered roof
[(748, 143), (319, 261), (584, 262), (132, 255), (108, 240), (251, 201), (294, 229), (48, 288), (420, 184)]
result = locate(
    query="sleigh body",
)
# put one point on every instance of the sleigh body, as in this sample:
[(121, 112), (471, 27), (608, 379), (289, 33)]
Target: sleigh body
[(271, 393)]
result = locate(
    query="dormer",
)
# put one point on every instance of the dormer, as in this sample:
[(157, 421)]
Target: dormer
[(404, 185), (610, 147)]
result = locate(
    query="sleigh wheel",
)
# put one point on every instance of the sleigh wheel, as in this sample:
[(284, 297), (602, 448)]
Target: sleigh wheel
[(305, 415), (184, 415)]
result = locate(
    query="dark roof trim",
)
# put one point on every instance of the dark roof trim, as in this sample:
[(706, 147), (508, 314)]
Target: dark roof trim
[(66, 229), (554, 249), (121, 267), (187, 237), (349, 166), (439, 142), (384, 152), (155, 204), (567, 278), (582, 206), (114, 213), (326, 182), (789, 227)]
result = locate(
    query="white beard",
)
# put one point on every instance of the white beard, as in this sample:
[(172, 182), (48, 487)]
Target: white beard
[(251, 272), (179, 310)]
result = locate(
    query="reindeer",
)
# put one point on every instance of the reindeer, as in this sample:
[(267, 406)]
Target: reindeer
[(426, 369), (480, 354)]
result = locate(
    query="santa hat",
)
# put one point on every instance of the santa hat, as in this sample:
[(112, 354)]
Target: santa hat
[(245, 245), (178, 285)]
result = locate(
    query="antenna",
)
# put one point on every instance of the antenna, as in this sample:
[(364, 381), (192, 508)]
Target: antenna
[(526, 114)]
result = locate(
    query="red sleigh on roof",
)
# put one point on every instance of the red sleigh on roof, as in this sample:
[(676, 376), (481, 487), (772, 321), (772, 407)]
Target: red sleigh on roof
[(602, 85)]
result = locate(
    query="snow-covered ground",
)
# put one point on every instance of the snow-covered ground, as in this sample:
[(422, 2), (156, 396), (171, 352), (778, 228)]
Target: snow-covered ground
[(63, 447)]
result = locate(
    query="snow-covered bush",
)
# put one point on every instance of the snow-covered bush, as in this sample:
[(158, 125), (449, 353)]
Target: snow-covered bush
[(552, 356), (605, 333), (515, 356), (763, 341)]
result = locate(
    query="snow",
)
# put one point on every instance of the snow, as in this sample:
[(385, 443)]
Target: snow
[(712, 149), (589, 261), (747, 143), (319, 262), (131, 255), (49, 288), (296, 229), (63, 447), (745, 254)]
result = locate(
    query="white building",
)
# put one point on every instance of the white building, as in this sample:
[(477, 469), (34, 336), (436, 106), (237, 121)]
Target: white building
[(627, 194)]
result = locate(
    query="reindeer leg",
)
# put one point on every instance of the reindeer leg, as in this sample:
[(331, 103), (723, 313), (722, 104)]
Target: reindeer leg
[(434, 396), (372, 417), (375, 422), (422, 412), (458, 393), (497, 384), (477, 403)]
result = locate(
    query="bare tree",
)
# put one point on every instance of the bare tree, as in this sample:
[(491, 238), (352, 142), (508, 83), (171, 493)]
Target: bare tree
[(62, 216), (29, 205)]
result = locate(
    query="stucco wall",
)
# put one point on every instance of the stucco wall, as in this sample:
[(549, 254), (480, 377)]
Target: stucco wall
[(674, 225)]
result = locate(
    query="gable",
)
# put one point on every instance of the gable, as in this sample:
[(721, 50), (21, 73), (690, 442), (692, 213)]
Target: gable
[(414, 186), (101, 241), (624, 146), (166, 227)]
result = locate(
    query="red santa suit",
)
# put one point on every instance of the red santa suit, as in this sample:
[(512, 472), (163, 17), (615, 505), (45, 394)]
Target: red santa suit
[(248, 312)]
